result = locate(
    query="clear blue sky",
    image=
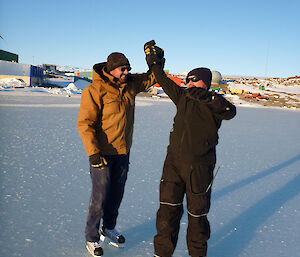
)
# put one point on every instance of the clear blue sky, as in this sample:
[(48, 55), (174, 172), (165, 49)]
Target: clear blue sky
[(254, 38)]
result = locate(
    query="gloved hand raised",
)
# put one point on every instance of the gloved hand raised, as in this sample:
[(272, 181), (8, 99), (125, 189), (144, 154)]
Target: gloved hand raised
[(98, 161), (151, 48), (154, 54)]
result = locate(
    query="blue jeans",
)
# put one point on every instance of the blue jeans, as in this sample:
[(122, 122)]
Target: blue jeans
[(107, 192)]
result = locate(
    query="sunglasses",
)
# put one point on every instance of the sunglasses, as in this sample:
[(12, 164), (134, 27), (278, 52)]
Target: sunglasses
[(191, 78), (125, 68)]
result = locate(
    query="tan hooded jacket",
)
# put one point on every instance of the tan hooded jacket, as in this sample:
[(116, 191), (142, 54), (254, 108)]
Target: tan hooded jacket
[(106, 113)]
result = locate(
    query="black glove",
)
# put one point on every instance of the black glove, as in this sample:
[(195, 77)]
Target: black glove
[(154, 54), (98, 161), (198, 94)]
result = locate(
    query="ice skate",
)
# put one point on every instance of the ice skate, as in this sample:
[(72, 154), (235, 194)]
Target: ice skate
[(94, 248), (112, 237)]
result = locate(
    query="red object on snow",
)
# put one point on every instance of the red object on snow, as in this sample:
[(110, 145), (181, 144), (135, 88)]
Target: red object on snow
[(175, 79)]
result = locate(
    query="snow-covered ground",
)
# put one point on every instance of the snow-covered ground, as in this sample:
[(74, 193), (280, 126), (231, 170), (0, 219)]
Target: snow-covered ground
[(282, 93), (45, 183)]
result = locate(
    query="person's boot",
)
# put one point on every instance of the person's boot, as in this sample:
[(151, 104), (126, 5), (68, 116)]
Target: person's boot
[(112, 237), (94, 248)]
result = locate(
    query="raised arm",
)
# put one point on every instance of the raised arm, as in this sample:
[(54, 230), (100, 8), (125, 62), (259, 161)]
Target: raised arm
[(168, 85), (144, 81), (155, 60)]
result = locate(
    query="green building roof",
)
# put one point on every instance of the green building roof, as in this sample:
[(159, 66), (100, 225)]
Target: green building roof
[(7, 56)]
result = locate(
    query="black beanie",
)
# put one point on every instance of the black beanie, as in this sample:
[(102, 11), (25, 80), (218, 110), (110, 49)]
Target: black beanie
[(115, 60), (203, 74)]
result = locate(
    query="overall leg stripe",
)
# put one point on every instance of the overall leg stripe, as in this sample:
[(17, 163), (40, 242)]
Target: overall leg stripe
[(197, 216), (171, 204)]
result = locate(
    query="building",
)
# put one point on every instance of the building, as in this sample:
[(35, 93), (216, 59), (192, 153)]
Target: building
[(87, 75), (216, 78), (7, 56), (49, 67), (31, 75), (178, 80)]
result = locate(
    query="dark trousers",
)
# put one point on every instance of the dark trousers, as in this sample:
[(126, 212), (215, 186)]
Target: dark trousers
[(107, 192), (179, 179)]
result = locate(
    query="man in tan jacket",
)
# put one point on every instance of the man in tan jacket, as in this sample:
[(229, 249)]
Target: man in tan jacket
[(105, 124)]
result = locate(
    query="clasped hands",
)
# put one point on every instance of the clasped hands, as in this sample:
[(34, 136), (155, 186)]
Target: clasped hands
[(154, 54)]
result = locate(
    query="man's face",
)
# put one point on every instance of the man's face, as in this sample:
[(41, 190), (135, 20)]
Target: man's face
[(121, 73), (193, 83)]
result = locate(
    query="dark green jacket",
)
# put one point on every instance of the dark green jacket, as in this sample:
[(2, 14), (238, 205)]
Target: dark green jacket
[(195, 130)]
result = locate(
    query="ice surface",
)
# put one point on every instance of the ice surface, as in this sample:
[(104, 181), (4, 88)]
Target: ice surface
[(45, 183)]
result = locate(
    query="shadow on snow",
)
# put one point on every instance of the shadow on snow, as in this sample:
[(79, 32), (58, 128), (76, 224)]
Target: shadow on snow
[(234, 237)]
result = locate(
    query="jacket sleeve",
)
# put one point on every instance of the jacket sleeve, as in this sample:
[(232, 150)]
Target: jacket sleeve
[(221, 108), (168, 85), (144, 81), (86, 122)]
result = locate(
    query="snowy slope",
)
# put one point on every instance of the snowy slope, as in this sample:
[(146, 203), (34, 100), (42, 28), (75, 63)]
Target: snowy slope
[(45, 182)]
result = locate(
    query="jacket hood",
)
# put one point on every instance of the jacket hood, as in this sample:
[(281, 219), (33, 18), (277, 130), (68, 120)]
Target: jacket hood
[(99, 66), (100, 73)]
